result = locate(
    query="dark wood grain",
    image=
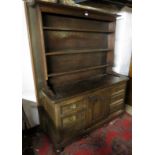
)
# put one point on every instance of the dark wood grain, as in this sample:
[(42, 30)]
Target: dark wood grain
[(73, 63), (58, 40), (61, 23), (77, 30), (74, 77), (77, 11), (79, 51)]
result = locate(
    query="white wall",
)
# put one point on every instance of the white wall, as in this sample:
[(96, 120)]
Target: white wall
[(123, 42)]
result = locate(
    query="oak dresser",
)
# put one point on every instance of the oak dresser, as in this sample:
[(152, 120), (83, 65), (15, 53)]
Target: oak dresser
[(72, 49)]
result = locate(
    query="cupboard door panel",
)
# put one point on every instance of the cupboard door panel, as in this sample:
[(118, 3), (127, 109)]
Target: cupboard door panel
[(99, 104)]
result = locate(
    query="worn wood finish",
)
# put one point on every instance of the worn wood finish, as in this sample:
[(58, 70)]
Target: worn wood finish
[(35, 42), (77, 51), (74, 40), (77, 11), (90, 61), (63, 23), (66, 79), (73, 51), (77, 30)]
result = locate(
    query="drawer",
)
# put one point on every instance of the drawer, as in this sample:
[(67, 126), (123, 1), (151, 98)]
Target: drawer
[(73, 107), (118, 92), (117, 102), (117, 97), (75, 121), (118, 88), (117, 106)]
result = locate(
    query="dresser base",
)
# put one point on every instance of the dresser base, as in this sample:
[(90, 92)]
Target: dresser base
[(55, 136)]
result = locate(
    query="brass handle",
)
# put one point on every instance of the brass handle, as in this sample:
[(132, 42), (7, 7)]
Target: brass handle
[(73, 106)]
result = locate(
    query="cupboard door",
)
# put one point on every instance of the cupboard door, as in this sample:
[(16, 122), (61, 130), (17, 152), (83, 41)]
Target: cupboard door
[(105, 101), (99, 105)]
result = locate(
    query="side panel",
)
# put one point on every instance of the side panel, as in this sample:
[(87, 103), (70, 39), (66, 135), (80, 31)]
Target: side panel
[(36, 48)]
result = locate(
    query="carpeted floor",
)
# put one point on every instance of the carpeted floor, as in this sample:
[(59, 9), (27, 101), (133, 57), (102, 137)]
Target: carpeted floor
[(114, 138)]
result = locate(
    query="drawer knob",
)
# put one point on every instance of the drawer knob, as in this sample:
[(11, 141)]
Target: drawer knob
[(73, 106)]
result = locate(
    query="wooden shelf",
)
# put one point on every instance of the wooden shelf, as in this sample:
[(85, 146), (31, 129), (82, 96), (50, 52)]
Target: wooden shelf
[(76, 30), (82, 86), (77, 51), (77, 71)]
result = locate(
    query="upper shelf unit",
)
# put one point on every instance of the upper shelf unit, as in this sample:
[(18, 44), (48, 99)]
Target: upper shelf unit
[(76, 48)]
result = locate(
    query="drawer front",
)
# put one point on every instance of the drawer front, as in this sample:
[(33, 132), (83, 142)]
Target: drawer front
[(118, 92), (117, 106), (117, 97), (119, 87), (72, 107), (74, 122)]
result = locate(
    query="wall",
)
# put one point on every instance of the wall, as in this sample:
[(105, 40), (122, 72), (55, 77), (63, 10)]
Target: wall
[(123, 42)]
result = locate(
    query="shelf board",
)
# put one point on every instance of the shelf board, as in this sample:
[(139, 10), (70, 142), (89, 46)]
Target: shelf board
[(84, 86), (77, 71), (77, 51), (76, 30)]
